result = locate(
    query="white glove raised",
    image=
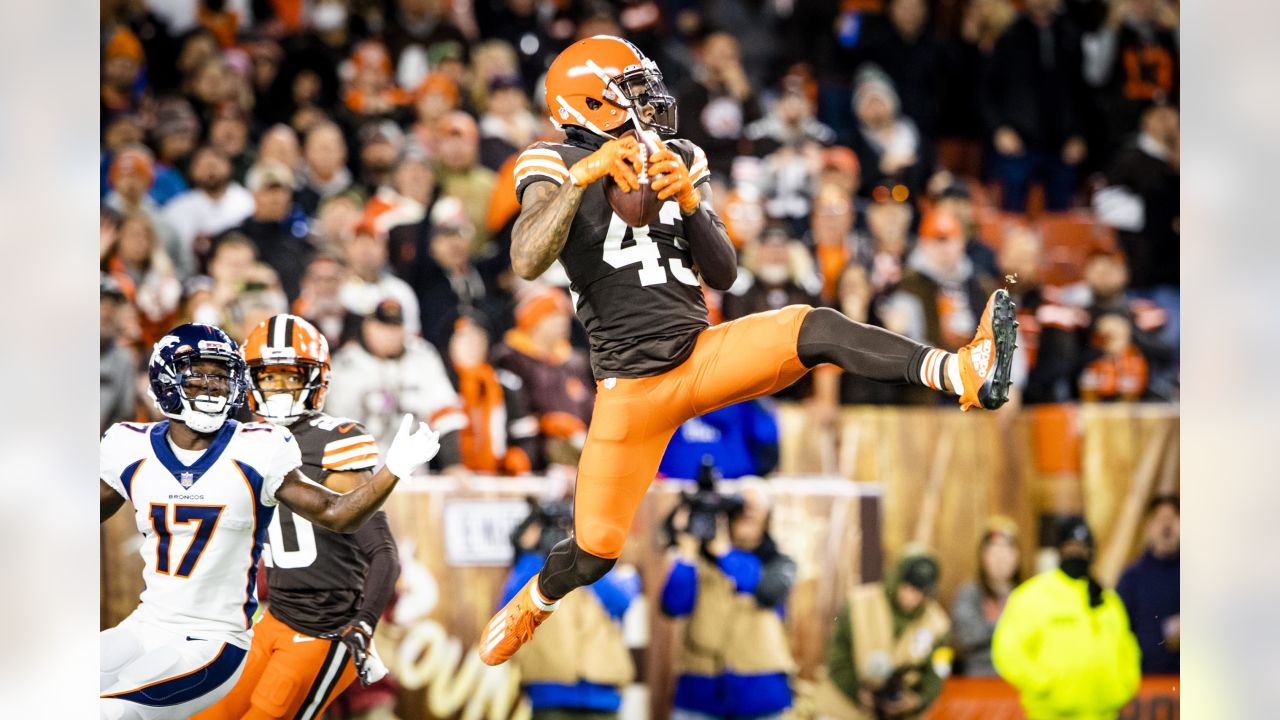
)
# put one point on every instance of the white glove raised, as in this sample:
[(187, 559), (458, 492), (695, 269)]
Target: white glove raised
[(411, 450)]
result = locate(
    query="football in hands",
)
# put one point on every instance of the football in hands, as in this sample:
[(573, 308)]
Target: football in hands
[(639, 207)]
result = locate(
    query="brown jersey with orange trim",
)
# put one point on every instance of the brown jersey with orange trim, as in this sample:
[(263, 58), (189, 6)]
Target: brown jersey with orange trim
[(315, 577), (635, 289)]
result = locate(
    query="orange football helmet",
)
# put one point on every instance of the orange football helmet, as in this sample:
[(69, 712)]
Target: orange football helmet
[(287, 342), (598, 83)]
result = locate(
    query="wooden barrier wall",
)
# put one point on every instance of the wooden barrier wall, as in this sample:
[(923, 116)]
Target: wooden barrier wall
[(920, 474)]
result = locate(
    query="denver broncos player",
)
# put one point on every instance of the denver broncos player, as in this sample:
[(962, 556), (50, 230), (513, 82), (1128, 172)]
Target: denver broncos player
[(656, 361), (327, 589), (204, 489)]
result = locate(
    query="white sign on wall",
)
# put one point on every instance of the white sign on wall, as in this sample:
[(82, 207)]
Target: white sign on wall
[(478, 532)]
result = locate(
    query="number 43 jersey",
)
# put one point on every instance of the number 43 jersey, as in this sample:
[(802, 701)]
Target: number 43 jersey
[(203, 517), (637, 294), (315, 577)]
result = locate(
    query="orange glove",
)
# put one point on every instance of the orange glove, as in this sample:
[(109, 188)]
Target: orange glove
[(619, 159), (671, 178)]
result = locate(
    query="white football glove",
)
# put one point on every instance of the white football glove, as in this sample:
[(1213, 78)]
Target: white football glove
[(411, 450)]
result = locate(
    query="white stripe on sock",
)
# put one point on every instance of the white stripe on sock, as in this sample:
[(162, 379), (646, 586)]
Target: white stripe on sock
[(953, 374)]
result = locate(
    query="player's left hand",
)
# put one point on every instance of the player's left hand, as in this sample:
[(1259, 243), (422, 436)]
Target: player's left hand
[(357, 636), (671, 178), (411, 450)]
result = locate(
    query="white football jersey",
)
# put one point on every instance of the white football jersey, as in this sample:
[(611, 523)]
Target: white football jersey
[(203, 524)]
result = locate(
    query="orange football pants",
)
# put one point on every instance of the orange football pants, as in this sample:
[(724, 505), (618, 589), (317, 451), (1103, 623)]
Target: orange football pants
[(634, 418), (287, 675)]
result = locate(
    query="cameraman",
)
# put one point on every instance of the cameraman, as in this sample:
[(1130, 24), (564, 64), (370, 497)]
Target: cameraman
[(887, 656), (734, 660), (578, 663)]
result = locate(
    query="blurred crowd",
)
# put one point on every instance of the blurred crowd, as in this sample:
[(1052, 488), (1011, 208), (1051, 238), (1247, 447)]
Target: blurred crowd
[(351, 161)]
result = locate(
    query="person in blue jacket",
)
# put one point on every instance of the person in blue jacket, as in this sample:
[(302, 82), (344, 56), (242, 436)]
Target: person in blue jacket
[(577, 665), (742, 438), (734, 660)]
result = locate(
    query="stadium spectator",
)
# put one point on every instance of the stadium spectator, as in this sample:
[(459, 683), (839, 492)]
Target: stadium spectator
[(215, 204), (889, 227), (122, 64), (776, 273), (117, 362), (421, 26), (916, 63), (325, 172), (1150, 589), (1141, 202), (1029, 106), (501, 435), (372, 94), (381, 148), (718, 101), (229, 132), (232, 269), (278, 228), (507, 126), (579, 665), (831, 235), (436, 96), (389, 372), (733, 587), (1063, 640), (742, 439), (132, 254), (369, 280), (941, 295), (320, 301), (890, 149), (954, 196), (978, 604), (175, 135), (839, 167), (280, 144), (337, 215), (1115, 369), (450, 283), (132, 175), (790, 142), (556, 377), (462, 176), (887, 654), (1133, 59)]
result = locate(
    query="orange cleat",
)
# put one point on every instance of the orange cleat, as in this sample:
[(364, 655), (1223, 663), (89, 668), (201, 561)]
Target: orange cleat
[(512, 627), (985, 363)]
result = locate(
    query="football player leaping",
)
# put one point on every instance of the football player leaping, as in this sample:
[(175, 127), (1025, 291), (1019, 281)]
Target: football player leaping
[(327, 589), (204, 488), (656, 361)]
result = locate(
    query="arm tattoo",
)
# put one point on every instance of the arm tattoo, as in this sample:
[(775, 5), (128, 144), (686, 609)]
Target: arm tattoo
[(542, 228)]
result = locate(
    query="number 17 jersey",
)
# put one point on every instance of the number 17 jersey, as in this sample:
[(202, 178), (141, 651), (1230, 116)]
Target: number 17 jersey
[(637, 293)]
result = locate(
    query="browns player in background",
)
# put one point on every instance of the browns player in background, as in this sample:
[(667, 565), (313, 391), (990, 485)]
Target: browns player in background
[(656, 361), (326, 590)]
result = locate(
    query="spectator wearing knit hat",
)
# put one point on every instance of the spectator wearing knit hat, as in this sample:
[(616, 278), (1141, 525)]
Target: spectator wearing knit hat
[(891, 151), (372, 94), (436, 96), (556, 377), (174, 135), (381, 149), (132, 175), (941, 295), (450, 282), (122, 65), (507, 126)]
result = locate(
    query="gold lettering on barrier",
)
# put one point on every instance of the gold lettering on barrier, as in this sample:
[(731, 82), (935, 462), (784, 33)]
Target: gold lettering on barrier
[(426, 656)]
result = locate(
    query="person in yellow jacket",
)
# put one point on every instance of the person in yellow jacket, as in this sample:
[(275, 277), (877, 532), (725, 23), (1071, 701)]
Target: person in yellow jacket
[(1064, 641)]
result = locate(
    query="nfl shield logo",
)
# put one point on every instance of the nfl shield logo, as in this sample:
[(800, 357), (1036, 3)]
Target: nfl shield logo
[(187, 479)]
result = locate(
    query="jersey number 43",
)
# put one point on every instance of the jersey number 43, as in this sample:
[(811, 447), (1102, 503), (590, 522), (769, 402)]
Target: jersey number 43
[(645, 250)]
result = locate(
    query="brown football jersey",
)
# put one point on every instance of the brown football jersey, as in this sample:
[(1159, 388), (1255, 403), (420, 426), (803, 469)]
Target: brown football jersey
[(315, 577), (635, 289)]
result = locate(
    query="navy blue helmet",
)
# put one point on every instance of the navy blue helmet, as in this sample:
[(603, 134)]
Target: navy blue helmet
[(201, 400)]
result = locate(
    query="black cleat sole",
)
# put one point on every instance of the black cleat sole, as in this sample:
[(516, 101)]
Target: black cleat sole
[(1004, 328)]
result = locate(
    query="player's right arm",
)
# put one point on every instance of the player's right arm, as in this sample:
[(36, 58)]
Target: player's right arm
[(547, 207), (345, 513)]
